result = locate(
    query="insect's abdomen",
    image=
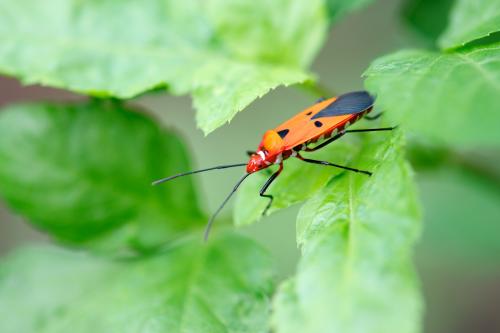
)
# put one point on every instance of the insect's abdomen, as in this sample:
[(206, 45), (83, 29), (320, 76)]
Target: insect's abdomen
[(338, 128)]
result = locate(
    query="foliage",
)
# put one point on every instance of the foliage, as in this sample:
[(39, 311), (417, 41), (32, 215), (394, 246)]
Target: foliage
[(356, 236), (187, 46), (82, 172), (220, 287), (428, 18), (339, 8), (450, 96), (449, 234), (471, 20)]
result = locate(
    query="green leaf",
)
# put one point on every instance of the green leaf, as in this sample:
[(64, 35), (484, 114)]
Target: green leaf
[(225, 54), (471, 20), (451, 98), (224, 286), (83, 173), (298, 181), (357, 236), (428, 18), (340, 8)]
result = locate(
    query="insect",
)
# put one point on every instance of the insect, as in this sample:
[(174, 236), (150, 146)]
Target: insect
[(319, 125)]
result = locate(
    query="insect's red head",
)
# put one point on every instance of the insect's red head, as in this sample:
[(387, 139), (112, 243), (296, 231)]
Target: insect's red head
[(256, 162)]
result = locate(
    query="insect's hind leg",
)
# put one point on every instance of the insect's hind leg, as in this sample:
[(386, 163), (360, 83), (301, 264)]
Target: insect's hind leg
[(371, 129), (334, 165), (338, 136), (376, 116), (266, 185)]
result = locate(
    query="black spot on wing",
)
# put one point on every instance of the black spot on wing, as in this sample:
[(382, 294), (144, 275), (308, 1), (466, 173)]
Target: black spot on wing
[(283, 133), (318, 123), (350, 103)]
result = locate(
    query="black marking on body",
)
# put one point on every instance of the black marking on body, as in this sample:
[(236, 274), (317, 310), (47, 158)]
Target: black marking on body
[(317, 123), (283, 133), (350, 103), (309, 113)]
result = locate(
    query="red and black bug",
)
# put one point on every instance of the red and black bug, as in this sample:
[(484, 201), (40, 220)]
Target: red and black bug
[(322, 123)]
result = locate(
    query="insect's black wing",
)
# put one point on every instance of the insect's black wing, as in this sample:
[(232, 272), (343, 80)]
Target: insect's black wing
[(350, 103)]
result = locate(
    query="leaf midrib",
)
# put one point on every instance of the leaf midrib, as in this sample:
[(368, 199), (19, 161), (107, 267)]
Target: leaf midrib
[(190, 292), (479, 69), (348, 265)]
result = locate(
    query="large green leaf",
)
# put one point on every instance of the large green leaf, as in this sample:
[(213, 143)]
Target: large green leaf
[(83, 173), (224, 53), (357, 236), (224, 286), (339, 8), (470, 20), (451, 98)]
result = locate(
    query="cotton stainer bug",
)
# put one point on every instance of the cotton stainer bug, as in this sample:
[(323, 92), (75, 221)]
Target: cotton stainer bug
[(321, 124)]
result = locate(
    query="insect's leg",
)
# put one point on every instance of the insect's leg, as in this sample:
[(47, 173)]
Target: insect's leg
[(371, 129), (367, 117), (334, 165), (266, 185), (338, 136), (327, 142)]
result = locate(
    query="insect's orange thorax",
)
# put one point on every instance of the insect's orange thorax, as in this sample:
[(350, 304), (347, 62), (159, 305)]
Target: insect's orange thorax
[(271, 143), (269, 149)]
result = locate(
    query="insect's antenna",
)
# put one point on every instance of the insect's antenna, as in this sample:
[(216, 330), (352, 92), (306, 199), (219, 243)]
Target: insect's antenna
[(212, 219), (159, 181)]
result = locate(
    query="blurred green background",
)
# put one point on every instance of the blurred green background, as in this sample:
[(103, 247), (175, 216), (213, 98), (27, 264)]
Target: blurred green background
[(458, 256)]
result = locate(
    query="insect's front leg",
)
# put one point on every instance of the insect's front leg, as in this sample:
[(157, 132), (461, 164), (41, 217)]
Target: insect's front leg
[(268, 183)]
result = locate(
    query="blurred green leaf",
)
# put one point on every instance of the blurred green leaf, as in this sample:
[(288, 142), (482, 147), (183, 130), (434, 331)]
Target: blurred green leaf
[(339, 8), (470, 20), (224, 53), (297, 182), (83, 173), (451, 98), (428, 18), (357, 236), (223, 286), (461, 216)]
